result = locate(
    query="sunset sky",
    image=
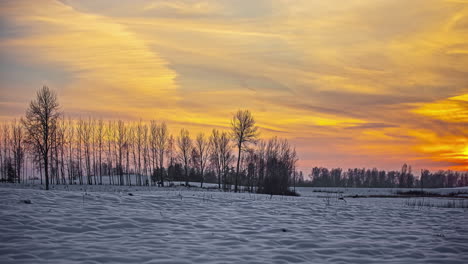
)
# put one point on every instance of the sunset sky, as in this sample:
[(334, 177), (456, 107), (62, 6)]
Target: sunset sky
[(369, 83)]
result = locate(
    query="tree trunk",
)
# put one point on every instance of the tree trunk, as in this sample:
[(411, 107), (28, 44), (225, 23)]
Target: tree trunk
[(237, 171), (46, 170)]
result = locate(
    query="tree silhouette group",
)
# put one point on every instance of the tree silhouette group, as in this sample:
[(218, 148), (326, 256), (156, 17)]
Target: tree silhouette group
[(94, 151)]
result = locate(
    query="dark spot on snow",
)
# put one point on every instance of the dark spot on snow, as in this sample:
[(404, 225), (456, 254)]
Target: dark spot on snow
[(284, 230), (130, 194), (27, 201)]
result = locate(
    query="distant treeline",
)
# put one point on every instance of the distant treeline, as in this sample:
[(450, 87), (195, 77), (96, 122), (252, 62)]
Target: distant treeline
[(374, 178), (49, 148)]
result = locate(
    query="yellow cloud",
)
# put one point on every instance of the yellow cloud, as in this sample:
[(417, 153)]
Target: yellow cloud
[(107, 62), (453, 109)]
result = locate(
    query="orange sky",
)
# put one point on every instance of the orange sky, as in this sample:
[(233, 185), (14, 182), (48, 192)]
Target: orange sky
[(370, 83)]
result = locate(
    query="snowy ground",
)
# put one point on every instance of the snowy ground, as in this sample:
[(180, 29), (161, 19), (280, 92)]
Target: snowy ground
[(320, 191), (104, 224)]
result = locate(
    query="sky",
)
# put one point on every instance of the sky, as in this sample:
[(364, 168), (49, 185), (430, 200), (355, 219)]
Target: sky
[(368, 83)]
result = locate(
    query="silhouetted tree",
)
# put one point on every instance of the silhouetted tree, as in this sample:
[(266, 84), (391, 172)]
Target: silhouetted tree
[(202, 148), (40, 123), (184, 144), (244, 131), (161, 144), (18, 148)]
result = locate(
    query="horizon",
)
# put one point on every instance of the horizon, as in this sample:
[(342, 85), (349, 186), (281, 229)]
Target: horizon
[(347, 84)]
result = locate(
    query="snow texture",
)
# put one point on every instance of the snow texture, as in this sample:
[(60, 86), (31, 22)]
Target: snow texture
[(109, 224)]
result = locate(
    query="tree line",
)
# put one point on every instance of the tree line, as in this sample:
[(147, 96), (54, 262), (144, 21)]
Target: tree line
[(57, 150), (374, 178)]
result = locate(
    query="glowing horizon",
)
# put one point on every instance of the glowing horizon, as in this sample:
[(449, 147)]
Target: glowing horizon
[(351, 84)]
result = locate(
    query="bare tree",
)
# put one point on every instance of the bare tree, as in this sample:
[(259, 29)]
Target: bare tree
[(2, 168), (202, 147), (128, 146), (93, 148), (121, 141), (226, 154), (40, 123), (70, 138), (138, 146), (110, 139), (18, 148), (161, 144), (153, 146), (100, 142), (221, 155), (7, 162), (184, 143), (87, 134), (145, 153), (61, 139), (170, 155), (80, 132), (243, 131), (215, 156)]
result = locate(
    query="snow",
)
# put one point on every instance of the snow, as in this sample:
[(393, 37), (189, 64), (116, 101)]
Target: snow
[(320, 191), (104, 224)]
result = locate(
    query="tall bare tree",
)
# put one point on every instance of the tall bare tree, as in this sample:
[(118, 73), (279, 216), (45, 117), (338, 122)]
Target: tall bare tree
[(225, 154), (79, 133), (202, 147), (184, 143), (243, 131), (6, 149), (153, 146), (215, 156), (40, 123), (161, 145), (18, 148), (87, 141), (121, 142), (100, 142), (137, 149), (110, 140), (70, 136), (170, 155), (145, 142)]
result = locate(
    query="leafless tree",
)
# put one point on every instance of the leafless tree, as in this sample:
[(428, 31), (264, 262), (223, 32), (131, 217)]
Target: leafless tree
[(61, 139), (221, 155), (170, 154), (70, 136), (121, 141), (161, 144), (87, 134), (137, 151), (243, 131), (146, 153), (18, 148), (153, 146), (110, 140), (184, 143), (80, 132), (215, 156), (128, 147), (40, 123), (7, 160), (100, 142), (202, 147)]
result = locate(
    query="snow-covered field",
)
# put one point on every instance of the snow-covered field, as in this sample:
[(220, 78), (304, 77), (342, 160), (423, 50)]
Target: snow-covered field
[(113, 224), (320, 191)]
